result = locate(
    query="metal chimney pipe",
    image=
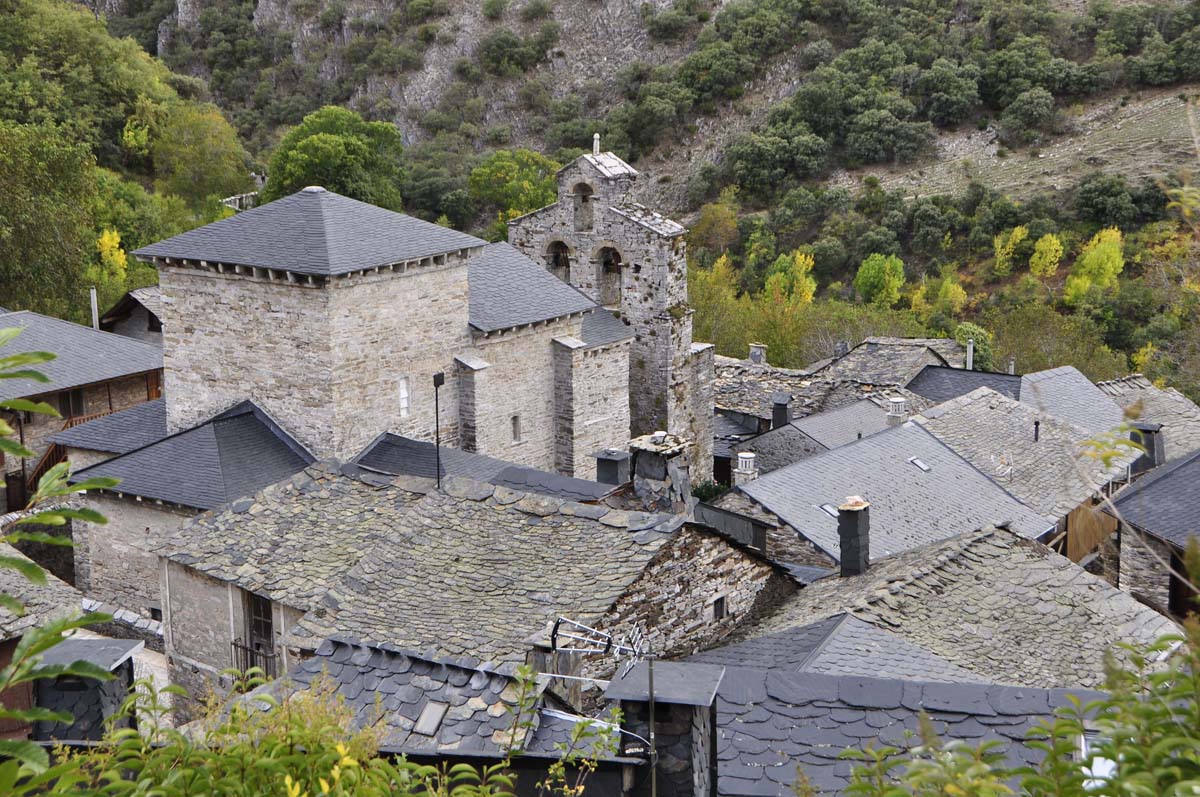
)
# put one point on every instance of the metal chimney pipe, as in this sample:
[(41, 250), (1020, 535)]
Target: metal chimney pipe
[(970, 354), (95, 309)]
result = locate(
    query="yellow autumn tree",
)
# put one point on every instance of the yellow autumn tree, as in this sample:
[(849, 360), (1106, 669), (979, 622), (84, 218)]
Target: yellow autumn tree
[(1098, 266), (1047, 253), (720, 313), (1005, 245)]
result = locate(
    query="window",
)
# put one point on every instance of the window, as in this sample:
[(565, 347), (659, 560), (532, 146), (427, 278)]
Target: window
[(582, 194), (1097, 770), (403, 397), (516, 429), (715, 610), (70, 403), (829, 509), (920, 463), (260, 627)]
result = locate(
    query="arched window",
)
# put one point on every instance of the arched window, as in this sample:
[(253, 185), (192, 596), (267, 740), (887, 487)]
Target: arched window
[(609, 266), (583, 207), (558, 258)]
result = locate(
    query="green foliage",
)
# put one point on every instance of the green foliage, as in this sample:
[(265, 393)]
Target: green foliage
[(984, 353), (511, 183), (494, 9), (505, 54), (1030, 114), (1039, 338), (197, 155), (1047, 253), (1105, 199), (1097, 267), (338, 149), (879, 279)]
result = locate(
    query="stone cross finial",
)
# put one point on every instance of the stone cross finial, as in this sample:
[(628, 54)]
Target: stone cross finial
[(595, 143)]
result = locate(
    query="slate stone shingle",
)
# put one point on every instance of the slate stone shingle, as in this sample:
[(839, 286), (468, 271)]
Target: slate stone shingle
[(507, 289), (42, 602), (119, 432), (940, 383), (1068, 394), (1179, 415), (1165, 503)]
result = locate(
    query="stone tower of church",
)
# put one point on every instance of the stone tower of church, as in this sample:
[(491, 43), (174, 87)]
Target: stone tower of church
[(633, 261)]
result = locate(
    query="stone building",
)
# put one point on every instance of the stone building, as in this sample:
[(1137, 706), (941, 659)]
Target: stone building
[(626, 257), (136, 315), (93, 373), (334, 316)]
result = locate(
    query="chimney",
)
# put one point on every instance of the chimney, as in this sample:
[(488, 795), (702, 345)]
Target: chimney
[(746, 470), (758, 353), (854, 535), (595, 143), (781, 409), (612, 466), (1037, 430), (841, 348), (661, 472), (95, 309), (970, 354), (897, 410), (1012, 365), (1150, 437)]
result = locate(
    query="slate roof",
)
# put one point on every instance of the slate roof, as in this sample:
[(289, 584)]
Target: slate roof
[(483, 569), (1053, 474), (233, 454), (313, 231), (294, 539), (101, 651), (839, 645), (402, 456), (846, 424), (1166, 502), (909, 506), (770, 723), (119, 432), (1179, 416), (730, 433), (149, 297), (777, 448), (940, 383), (507, 289), (608, 164), (893, 361), (651, 220), (1003, 607), (1070, 395), (83, 355), (429, 706), (602, 327), (42, 602)]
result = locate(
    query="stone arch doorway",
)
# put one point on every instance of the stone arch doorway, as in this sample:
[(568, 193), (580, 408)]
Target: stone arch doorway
[(609, 273), (558, 260), (582, 193)]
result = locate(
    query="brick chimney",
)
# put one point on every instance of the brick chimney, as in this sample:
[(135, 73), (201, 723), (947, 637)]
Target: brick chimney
[(1150, 437), (661, 472), (854, 535), (781, 409), (897, 410), (746, 470), (758, 353)]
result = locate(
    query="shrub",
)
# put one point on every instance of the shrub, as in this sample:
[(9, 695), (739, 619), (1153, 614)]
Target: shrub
[(494, 9), (536, 9)]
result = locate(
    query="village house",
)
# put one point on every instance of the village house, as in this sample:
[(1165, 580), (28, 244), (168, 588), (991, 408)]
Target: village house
[(476, 569), (163, 484), (1066, 393), (93, 373), (632, 260), (1157, 518), (111, 435), (938, 383), (1043, 461), (137, 314), (1176, 414), (746, 731), (921, 491)]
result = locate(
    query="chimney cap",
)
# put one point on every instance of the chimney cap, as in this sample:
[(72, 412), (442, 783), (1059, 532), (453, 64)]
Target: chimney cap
[(659, 443), (853, 503), (612, 453), (781, 397)]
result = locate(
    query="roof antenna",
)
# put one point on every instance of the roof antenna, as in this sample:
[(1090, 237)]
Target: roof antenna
[(595, 143)]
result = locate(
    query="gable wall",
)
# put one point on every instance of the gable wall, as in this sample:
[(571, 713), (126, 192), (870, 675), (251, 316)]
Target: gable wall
[(136, 325), (592, 402), (1141, 574)]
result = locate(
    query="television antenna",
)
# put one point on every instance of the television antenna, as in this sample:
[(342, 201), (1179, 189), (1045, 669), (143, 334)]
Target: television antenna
[(572, 636)]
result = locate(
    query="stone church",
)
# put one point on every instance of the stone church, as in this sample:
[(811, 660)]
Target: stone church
[(334, 316)]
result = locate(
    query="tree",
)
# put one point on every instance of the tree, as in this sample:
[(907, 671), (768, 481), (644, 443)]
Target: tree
[(1105, 199), (950, 91), (721, 315), (1097, 266), (1031, 112), (513, 182), (1004, 246), (338, 149), (1047, 253), (46, 225), (791, 275), (951, 298), (984, 357), (716, 230), (879, 279), (197, 155)]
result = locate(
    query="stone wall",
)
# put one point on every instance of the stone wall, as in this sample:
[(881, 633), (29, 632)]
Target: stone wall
[(229, 337), (81, 458), (137, 325), (201, 616), (676, 740), (784, 543), (1141, 575), (592, 389), (114, 562), (672, 602)]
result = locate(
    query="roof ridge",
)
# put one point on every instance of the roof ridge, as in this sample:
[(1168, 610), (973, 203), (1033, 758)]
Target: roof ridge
[(842, 618)]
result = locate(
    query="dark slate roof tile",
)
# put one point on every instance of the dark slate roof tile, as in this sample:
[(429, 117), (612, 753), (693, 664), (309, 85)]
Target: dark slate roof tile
[(315, 232), (602, 327), (83, 355), (1179, 415), (119, 432), (940, 383), (1166, 502), (1070, 395), (233, 454), (42, 602), (507, 289)]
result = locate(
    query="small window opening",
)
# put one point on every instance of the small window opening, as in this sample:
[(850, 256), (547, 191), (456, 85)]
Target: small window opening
[(156, 614), (70, 403), (920, 463), (829, 509), (516, 429), (558, 258), (403, 400), (716, 609), (582, 193)]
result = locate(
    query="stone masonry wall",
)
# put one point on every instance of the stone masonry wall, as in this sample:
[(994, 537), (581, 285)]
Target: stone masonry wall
[(199, 615), (389, 326), (1140, 574), (113, 561), (672, 602), (137, 326), (81, 458), (519, 381), (699, 419), (227, 338), (592, 389)]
